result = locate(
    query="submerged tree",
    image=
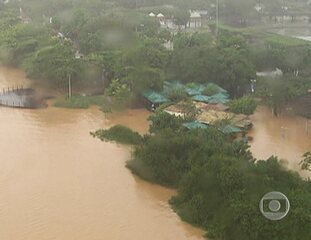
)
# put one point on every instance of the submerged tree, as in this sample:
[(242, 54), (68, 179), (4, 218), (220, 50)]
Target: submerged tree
[(306, 162)]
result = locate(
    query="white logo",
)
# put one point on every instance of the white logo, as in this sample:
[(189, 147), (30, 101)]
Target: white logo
[(274, 205)]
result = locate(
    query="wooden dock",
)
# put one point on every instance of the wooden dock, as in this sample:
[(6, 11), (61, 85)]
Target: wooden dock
[(18, 97)]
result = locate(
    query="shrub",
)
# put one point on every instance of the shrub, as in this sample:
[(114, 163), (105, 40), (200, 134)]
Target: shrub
[(119, 134), (211, 90), (245, 105)]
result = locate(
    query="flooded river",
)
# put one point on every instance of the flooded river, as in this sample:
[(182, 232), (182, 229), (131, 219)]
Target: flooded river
[(286, 136), (59, 183)]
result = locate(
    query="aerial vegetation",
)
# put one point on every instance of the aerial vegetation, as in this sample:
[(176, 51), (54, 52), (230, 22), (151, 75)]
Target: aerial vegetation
[(245, 105), (116, 48), (119, 134), (111, 52), (218, 180)]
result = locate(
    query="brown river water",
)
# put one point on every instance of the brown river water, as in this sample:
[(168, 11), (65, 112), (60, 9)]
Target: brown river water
[(287, 137), (59, 183)]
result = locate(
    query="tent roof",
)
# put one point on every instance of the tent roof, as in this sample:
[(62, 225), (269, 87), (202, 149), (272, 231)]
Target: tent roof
[(230, 129), (152, 14), (201, 98), (220, 89), (154, 97), (195, 125), (195, 89), (219, 98), (174, 84)]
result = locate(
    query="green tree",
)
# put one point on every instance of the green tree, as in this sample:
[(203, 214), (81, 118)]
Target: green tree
[(54, 63), (306, 162)]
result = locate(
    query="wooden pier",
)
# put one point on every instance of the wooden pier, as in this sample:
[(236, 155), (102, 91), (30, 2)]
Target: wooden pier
[(18, 97)]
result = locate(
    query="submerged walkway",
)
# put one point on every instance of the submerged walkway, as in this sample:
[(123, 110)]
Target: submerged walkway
[(18, 97)]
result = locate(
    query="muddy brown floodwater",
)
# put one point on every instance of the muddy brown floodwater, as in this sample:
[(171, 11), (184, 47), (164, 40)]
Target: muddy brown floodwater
[(286, 136), (59, 183)]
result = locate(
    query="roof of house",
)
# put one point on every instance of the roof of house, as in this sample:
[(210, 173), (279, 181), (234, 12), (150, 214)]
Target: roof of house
[(211, 116), (220, 97), (160, 15), (174, 85), (242, 121), (230, 129), (155, 97), (210, 106), (220, 89), (201, 98), (195, 125), (194, 89), (194, 14)]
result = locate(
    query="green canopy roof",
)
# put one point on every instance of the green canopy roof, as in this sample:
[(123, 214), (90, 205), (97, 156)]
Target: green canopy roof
[(195, 89), (195, 125), (221, 95), (230, 129), (175, 85), (155, 97), (201, 98), (220, 89), (219, 98)]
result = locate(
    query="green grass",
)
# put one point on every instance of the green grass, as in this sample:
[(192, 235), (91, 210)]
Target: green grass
[(261, 33), (83, 102), (285, 40)]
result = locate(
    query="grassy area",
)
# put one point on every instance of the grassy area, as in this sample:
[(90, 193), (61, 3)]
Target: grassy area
[(261, 33), (83, 102), (284, 40)]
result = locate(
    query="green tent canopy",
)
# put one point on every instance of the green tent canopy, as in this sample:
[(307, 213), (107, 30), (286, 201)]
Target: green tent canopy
[(230, 129), (213, 85), (173, 85), (194, 89), (195, 125), (219, 98), (155, 97), (201, 98)]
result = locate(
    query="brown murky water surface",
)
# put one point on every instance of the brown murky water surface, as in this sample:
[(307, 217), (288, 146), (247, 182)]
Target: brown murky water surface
[(286, 136), (58, 183)]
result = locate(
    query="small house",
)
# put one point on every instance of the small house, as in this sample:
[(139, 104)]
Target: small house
[(195, 20), (154, 99)]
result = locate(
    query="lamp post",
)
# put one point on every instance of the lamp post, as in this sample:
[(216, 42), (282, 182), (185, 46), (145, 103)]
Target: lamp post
[(217, 17), (284, 9), (253, 85), (258, 8)]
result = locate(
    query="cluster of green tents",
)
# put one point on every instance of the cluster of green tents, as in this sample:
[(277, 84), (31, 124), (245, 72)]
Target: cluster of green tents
[(227, 129), (206, 93)]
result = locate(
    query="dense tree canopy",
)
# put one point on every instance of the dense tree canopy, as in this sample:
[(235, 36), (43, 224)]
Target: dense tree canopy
[(219, 182)]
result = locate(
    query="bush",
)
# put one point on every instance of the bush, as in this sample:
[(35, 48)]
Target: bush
[(73, 102), (211, 90), (119, 134), (177, 95), (162, 120), (245, 105)]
